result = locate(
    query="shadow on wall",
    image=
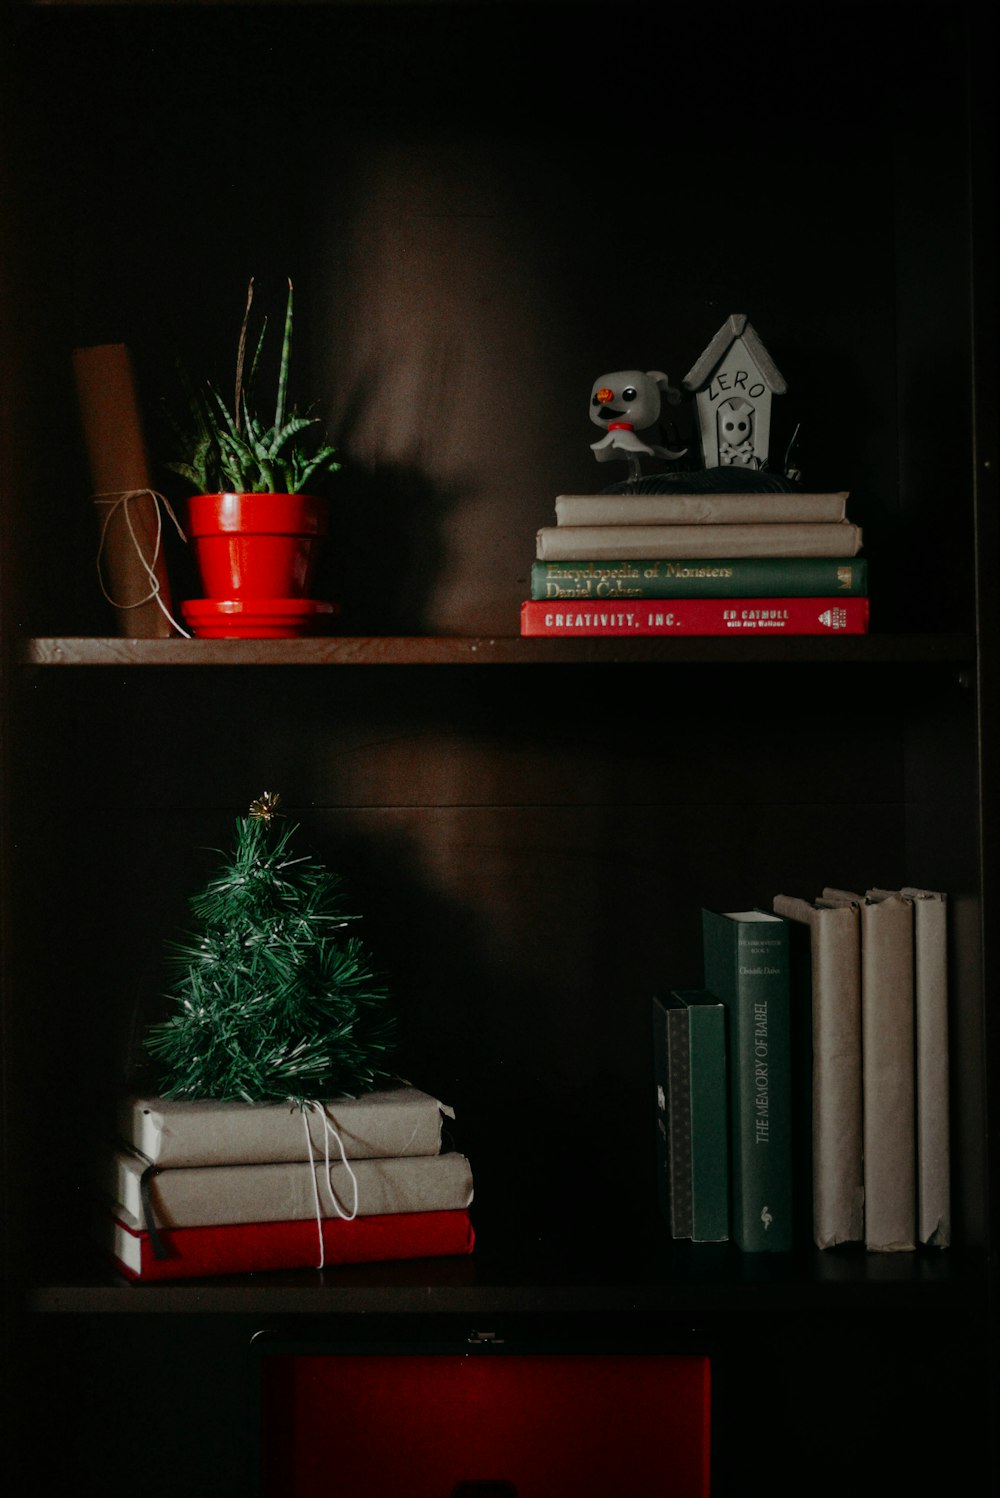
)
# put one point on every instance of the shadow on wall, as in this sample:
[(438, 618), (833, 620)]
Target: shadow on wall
[(385, 551), (444, 348)]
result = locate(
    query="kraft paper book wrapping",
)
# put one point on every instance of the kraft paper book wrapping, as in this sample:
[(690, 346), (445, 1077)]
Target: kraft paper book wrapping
[(116, 454), (205, 1131), (838, 538), (697, 509), (930, 982), (204, 1195), (887, 1051), (834, 943)]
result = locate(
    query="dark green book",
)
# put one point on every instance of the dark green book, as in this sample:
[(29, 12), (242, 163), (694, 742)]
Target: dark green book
[(673, 1115), (692, 1114), (705, 577), (747, 966)]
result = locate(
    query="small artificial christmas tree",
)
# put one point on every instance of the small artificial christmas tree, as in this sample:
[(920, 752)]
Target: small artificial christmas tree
[(274, 999)]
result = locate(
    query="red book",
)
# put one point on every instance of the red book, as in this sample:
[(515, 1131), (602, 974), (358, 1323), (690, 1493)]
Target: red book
[(243, 1248), (695, 616)]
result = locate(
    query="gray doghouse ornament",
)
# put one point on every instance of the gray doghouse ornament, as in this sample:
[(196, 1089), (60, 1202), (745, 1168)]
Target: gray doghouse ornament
[(730, 388), (733, 382)]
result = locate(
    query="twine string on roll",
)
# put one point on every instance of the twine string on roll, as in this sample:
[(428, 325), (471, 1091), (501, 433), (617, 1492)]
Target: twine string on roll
[(121, 501)]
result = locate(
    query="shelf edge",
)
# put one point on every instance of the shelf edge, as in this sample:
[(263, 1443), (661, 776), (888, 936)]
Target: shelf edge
[(444, 650)]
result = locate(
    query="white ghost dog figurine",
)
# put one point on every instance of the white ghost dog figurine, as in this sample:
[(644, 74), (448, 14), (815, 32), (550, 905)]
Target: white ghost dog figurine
[(625, 403)]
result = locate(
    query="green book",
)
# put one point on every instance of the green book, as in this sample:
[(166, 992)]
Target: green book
[(747, 967), (671, 1069), (704, 577), (708, 1074)]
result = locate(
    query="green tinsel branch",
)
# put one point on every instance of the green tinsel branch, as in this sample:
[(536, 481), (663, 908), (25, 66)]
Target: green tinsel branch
[(273, 998)]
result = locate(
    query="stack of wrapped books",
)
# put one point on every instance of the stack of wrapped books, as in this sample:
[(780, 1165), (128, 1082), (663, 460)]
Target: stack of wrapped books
[(711, 563), (203, 1187)]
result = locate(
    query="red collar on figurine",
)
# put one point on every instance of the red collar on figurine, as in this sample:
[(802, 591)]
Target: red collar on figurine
[(620, 426)]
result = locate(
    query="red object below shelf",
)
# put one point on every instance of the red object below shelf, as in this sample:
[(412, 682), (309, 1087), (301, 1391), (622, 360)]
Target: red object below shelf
[(536, 1425)]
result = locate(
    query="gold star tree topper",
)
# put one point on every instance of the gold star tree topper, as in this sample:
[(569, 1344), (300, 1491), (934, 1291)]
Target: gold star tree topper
[(265, 808)]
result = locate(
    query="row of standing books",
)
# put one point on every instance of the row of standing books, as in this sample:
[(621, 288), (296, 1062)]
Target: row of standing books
[(698, 564), (848, 990), (193, 1188), (846, 994)]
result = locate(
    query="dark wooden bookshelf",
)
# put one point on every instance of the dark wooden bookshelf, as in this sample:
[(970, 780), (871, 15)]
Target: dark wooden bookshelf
[(493, 650), (659, 1278), (475, 231), (502, 650)]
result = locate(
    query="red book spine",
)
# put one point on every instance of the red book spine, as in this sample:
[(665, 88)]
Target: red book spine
[(243, 1248), (696, 616)]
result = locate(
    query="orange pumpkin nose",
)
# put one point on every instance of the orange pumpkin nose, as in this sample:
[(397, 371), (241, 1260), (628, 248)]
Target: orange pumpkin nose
[(604, 395)]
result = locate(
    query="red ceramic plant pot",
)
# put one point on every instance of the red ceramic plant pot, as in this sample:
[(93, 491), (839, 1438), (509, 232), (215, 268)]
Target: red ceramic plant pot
[(257, 618), (256, 545)]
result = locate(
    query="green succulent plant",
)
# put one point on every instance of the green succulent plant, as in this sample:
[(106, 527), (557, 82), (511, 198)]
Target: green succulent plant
[(231, 449)]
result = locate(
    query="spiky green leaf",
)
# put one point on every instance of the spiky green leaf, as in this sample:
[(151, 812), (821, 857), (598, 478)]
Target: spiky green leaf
[(286, 355), (235, 449)]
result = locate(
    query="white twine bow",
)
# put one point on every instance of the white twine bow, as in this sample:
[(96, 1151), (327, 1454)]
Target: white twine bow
[(329, 1130), (121, 501)]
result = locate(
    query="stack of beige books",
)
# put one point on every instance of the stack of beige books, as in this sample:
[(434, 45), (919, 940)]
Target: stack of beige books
[(689, 526), (761, 561), (206, 1187)]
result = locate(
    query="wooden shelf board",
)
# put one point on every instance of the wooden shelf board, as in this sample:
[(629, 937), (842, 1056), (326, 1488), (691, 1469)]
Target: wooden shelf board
[(665, 1281), (446, 650)]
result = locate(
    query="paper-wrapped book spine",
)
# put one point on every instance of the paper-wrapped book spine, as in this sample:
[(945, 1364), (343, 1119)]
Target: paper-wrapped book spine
[(127, 517), (173, 1132), (209, 1195)]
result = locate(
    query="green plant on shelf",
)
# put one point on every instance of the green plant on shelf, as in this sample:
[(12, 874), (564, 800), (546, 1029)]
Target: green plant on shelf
[(234, 449)]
